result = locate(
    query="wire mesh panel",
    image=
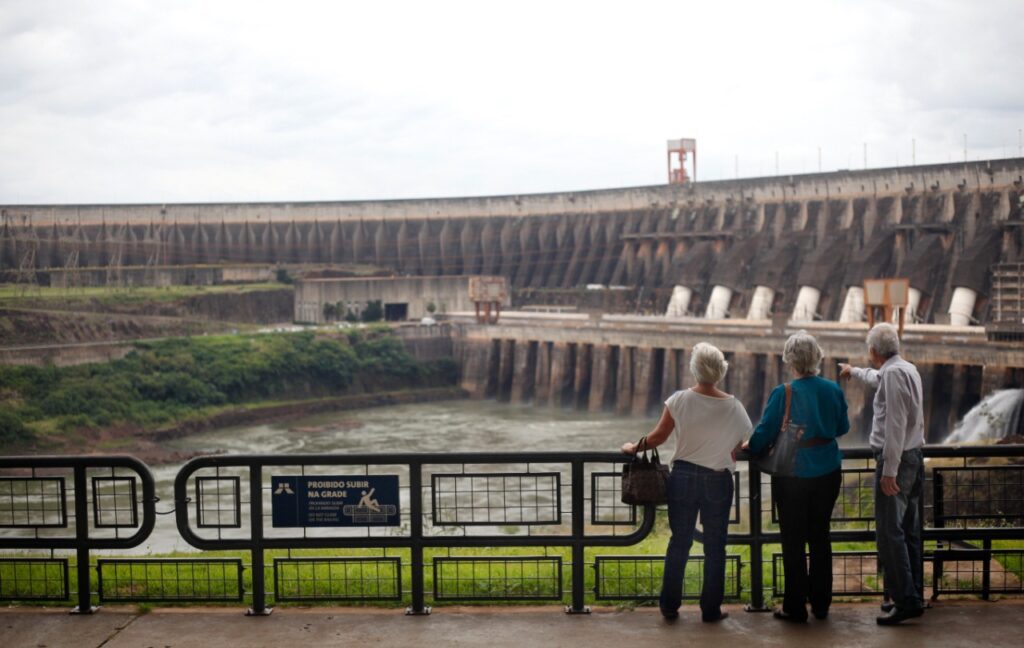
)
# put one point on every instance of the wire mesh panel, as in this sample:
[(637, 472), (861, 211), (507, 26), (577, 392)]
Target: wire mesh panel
[(854, 573), (638, 578), (34, 579), (606, 505), (186, 579), (218, 502), (979, 496), (496, 498), (32, 502), (855, 505), (526, 578), (113, 502), (978, 571), (856, 501), (337, 579)]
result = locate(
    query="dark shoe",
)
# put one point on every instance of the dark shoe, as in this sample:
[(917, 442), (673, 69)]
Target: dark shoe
[(782, 615), (670, 615), (820, 615), (715, 619), (888, 606), (899, 615)]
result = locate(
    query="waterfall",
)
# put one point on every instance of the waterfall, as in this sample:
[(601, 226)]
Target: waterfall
[(997, 415)]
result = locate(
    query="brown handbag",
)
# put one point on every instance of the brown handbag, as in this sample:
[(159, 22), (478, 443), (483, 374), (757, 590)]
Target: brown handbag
[(644, 480)]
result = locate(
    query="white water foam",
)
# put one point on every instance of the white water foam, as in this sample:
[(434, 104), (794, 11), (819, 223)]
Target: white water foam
[(989, 420)]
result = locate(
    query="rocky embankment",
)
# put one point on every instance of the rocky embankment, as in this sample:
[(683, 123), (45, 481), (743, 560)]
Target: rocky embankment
[(22, 327), (31, 321)]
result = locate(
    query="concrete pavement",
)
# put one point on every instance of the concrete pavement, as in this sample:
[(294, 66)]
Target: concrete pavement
[(950, 623)]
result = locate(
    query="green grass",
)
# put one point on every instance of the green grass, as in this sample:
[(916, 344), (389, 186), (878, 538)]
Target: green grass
[(490, 576), (1013, 563), (11, 294)]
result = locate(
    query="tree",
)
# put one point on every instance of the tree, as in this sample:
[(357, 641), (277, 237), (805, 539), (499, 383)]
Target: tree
[(374, 311)]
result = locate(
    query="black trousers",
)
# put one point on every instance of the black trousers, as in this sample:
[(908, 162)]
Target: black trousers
[(805, 508)]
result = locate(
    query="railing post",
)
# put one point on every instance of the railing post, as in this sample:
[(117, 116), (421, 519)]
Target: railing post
[(416, 539), (578, 554), (82, 543), (756, 558), (986, 569), (939, 522), (259, 590)]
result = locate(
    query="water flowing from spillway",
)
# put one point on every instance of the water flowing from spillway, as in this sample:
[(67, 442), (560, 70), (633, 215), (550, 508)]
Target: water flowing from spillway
[(996, 416)]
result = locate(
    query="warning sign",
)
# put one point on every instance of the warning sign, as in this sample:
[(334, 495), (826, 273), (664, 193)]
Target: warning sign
[(335, 500)]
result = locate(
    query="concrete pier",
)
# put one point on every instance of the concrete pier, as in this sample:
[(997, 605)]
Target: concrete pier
[(629, 364)]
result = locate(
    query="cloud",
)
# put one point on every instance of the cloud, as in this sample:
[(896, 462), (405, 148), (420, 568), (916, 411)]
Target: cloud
[(131, 101)]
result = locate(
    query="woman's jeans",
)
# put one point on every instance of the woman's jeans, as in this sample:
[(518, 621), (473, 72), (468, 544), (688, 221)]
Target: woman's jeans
[(805, 512), (694, 490), (898, 530)]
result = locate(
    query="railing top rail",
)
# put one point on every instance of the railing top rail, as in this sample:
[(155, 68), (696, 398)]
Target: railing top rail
[(79, 464), (420, 458)]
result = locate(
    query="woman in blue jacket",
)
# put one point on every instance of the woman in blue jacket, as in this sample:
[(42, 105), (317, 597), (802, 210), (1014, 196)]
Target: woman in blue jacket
[(805, 501)]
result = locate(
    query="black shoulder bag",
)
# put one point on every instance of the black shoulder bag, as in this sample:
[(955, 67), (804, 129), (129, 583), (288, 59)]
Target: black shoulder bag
[(780, 458)]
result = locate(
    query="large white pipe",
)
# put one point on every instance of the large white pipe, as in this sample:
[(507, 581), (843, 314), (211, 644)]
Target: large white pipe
[(962, 306), (806, 304), (718, 305), (761, 303), (853, 306), (913, 303), (679, 302)]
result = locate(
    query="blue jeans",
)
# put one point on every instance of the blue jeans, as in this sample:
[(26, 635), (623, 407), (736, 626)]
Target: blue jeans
[(898, 531), (694, 490)]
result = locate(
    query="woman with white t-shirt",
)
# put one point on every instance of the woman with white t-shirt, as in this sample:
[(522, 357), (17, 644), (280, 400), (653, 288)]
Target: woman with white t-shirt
[(709, 427)]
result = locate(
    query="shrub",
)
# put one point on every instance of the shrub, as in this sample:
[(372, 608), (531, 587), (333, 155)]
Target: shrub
[(374, 311), (12, 429), (165, 380)]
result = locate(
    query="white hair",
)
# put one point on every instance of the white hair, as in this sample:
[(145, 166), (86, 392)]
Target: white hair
[(803, 354), (884, 339), (707, 363)]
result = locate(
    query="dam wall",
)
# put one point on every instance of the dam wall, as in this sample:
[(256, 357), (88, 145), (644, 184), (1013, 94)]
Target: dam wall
[(744, 248)]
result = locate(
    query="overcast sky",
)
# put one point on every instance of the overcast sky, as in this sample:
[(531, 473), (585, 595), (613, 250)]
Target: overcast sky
[(216, 100)]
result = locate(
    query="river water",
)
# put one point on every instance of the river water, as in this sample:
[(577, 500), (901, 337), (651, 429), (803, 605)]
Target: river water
[(449, 426)]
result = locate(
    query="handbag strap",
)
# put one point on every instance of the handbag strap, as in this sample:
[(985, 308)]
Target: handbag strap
[(641, 446), (789, 401)]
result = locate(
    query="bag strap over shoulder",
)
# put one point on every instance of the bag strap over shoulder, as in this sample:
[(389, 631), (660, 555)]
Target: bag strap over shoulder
[(789, 401)]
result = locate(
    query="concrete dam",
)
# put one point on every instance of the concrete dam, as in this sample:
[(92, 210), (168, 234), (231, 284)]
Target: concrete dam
[(716, 260)]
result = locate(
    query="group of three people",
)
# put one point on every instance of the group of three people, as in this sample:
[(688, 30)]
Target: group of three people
[(710, 426)]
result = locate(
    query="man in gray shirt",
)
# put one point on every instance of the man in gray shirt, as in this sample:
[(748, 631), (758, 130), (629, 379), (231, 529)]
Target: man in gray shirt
[(897, 434)]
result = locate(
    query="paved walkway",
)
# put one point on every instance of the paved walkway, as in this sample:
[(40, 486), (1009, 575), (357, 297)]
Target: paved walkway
[(954, 623)]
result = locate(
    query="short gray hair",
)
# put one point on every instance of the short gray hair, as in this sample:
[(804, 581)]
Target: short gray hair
[(884, 339), (707, 363), (803, 354)]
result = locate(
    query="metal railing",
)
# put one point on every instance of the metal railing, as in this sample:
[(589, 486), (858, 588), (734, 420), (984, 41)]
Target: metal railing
[(33, 502), (413, 468), (554, 502)]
